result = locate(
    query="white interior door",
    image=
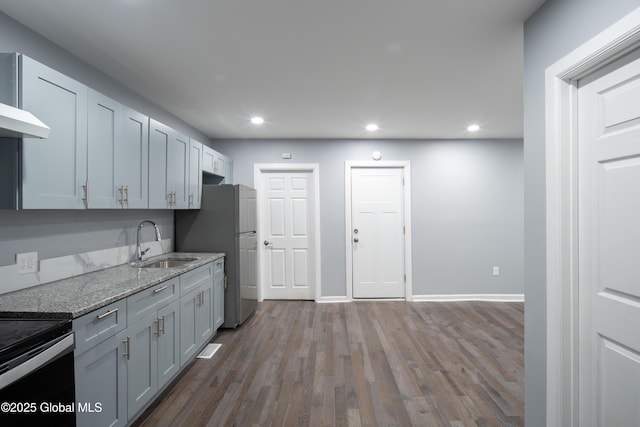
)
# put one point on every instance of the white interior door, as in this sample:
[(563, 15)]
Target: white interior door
[(377, 234), (609, 245), (288, 231)]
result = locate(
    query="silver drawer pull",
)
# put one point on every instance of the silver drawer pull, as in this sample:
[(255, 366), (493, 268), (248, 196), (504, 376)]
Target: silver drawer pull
[(128, 352), (103, 315), (160, 289)]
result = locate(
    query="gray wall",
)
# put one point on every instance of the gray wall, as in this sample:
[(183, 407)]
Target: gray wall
[(467, 207), (556, 29), (58, 233)]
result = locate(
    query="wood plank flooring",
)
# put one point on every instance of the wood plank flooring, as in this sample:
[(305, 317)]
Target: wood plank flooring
[(383, 363)]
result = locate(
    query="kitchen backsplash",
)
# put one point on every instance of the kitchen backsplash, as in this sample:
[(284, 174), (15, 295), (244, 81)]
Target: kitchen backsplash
[(52, 269)]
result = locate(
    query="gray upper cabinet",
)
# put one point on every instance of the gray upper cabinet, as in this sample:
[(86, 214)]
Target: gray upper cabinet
[(178, 170), (168, 167), (195, 174), (228, 176), (117, 155), (213, 162), (132, 164), (159, 135), (54, 170), (105, 128), (100, 154)]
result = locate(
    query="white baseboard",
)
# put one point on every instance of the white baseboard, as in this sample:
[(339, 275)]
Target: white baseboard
[(470, 297), (324, 300)]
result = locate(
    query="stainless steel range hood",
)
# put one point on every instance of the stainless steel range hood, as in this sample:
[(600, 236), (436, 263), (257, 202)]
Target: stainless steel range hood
[(17, 123)]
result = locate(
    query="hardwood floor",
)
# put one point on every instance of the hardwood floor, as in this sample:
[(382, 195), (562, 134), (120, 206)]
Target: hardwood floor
[(362, 363)]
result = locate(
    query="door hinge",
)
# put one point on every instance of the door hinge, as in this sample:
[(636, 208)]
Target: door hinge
[(405, 278), (404, 230)]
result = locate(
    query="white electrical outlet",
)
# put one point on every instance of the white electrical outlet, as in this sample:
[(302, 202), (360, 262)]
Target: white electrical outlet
[(496, 271), (27, 262)]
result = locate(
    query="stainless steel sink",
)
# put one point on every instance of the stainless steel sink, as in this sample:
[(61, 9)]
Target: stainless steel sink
[(167, 263)]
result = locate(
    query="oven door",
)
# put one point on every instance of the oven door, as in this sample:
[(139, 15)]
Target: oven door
[(39, 388)]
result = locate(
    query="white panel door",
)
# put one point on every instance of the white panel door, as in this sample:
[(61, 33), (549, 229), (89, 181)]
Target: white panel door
[(287, 200), (378, 232), (609, 238)]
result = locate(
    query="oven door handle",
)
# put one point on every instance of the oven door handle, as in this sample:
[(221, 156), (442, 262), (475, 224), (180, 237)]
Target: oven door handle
[(61, 347)]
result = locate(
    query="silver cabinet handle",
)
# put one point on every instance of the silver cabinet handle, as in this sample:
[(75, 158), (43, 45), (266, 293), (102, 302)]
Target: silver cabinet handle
[(108, 313), (155, 291), (121, 191), (128, 352), (126, 194), (191, 199), (157, 331), (162, 330), (85, 188)]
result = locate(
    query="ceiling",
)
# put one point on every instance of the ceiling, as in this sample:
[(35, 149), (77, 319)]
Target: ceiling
[(311, 68)]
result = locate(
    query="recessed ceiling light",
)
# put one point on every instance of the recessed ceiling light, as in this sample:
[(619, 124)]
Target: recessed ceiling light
[(257, 120), (372, 127), (473, 128)]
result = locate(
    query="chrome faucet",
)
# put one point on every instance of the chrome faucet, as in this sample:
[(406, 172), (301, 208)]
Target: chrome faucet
[(139, 251)]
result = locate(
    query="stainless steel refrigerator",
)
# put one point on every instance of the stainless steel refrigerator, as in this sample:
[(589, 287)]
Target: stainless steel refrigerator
[(226, 222)]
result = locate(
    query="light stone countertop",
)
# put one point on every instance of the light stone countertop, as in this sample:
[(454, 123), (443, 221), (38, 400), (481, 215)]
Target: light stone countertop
[(78, 295)]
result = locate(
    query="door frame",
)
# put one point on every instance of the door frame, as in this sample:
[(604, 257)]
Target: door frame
[(314, 168), (406, 212), (561, 145)]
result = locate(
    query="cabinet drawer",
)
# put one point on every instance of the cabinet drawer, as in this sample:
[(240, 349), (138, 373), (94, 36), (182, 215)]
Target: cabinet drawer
[(141, 304), (97, 326), (195, 278)]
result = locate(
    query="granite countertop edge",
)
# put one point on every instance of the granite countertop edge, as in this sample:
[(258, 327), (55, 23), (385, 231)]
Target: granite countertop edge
[(75, 296)]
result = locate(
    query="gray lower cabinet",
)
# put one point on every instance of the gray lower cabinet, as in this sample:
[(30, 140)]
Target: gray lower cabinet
[(128, 351), (101, 379), (196, 311), (218, 293), (153, 356)]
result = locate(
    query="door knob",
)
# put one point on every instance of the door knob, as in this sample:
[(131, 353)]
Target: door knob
[(355, 230), (355, 239), (266, 243)]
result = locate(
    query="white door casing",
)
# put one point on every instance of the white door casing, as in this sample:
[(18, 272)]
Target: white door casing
[(561, 147), (609, 244), (289, 231), (378, 205)]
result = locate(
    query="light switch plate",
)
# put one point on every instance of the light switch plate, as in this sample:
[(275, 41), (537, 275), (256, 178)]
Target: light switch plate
[(27, 262)]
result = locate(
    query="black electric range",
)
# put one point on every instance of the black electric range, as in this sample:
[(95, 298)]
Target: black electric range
[(36, 372)]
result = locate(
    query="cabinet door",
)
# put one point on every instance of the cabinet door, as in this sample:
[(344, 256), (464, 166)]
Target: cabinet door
[(218, 294), (142, 366), (178, 170), (204, 316), (101, 377), (228, 176), (132, 160), (195, 174), (219, 167), (54, 170), (159, 136), (208, 159), (168, 342), (104, 127), (189, 304)]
